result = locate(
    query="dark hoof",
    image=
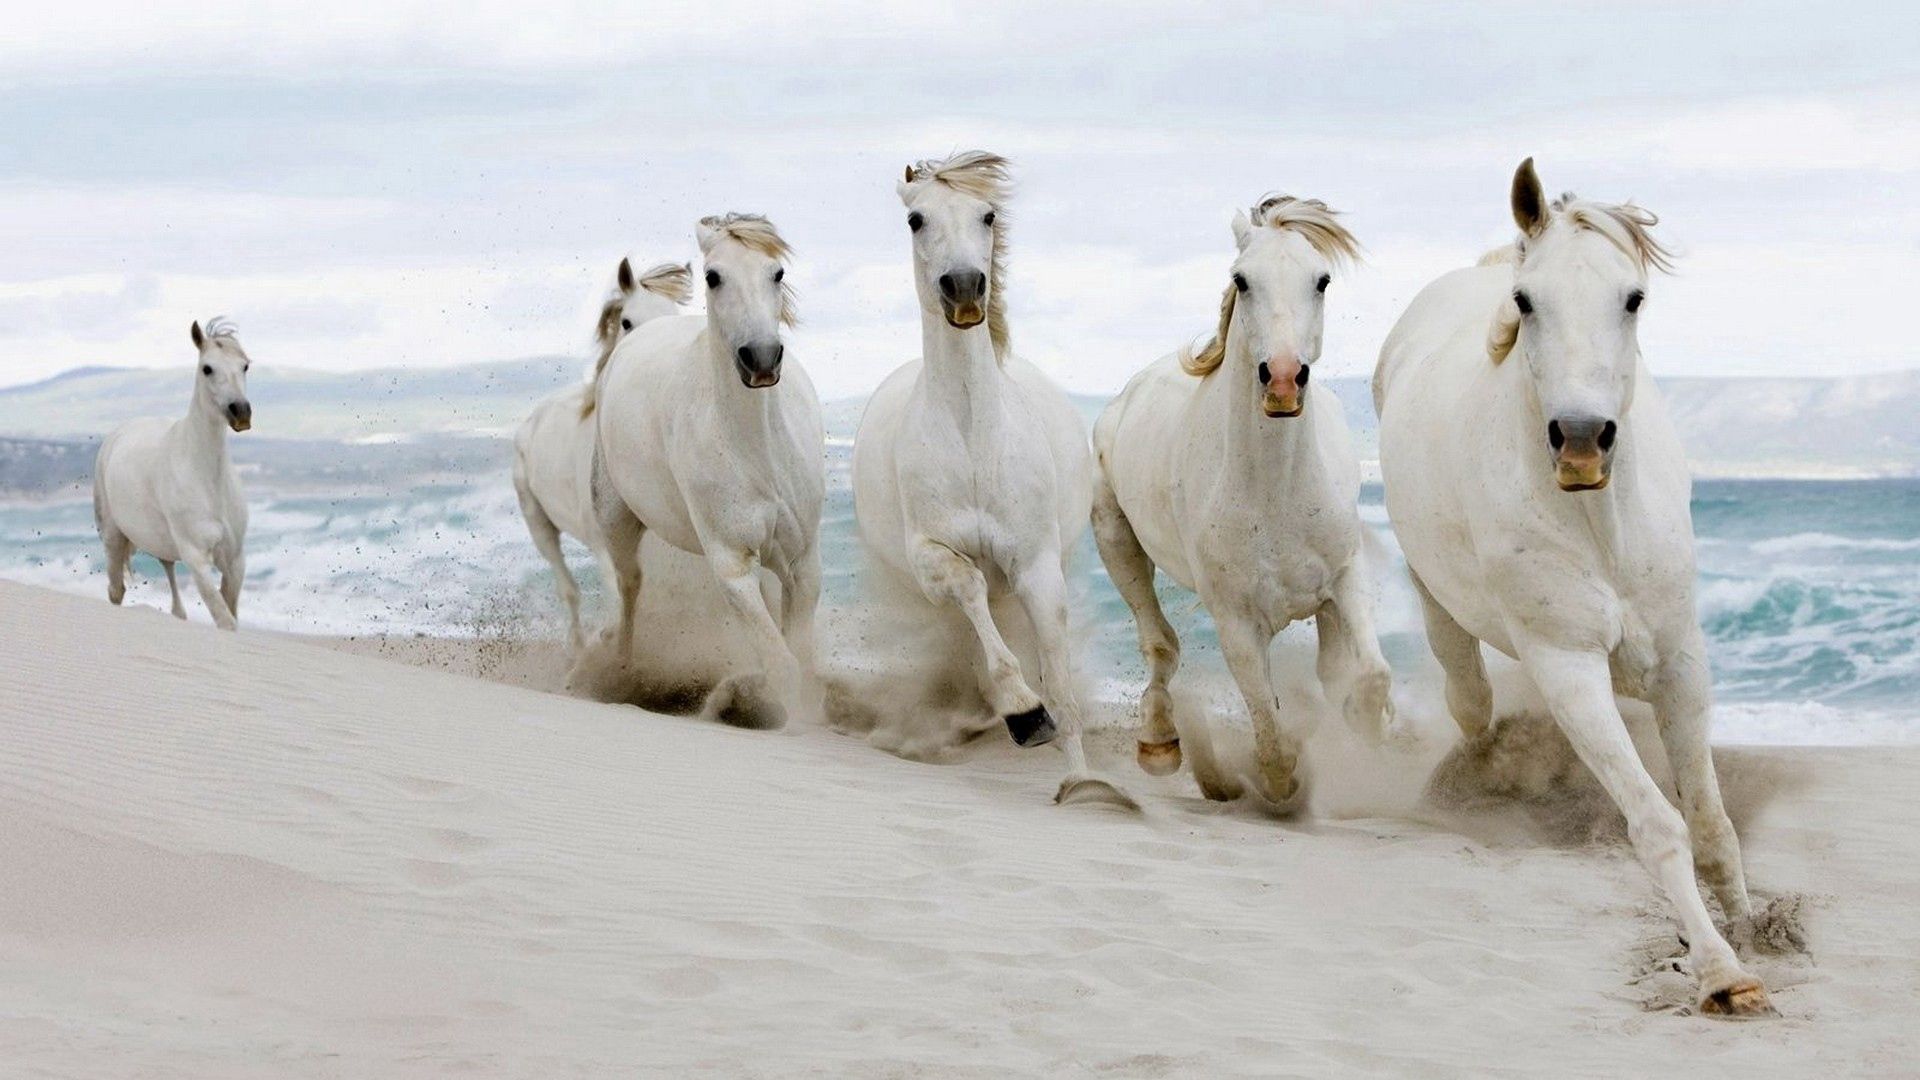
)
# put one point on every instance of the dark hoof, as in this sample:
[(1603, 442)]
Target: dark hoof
[(1031, 728)]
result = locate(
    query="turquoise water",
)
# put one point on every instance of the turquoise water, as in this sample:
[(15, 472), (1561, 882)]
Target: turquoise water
[(1809, 591)]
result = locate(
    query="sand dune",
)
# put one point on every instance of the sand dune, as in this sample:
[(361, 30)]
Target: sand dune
[(245, 855)]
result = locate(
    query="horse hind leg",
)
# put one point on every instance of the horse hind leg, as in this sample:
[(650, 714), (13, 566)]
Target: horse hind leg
[(173, 587), (546, 540), (1350, 662), (1469, 694), (1158, 746)]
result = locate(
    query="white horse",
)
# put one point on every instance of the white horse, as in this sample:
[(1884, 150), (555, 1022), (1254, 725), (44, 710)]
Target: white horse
[(970, 468), (1541, 496), (708, 439), (1232, 474), (168, 488), (553, 450)]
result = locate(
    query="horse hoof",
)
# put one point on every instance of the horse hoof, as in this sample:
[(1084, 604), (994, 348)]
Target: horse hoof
[(1744, 998), (1283, 795), (1031, 728), (1159, 759), (1087, 788)]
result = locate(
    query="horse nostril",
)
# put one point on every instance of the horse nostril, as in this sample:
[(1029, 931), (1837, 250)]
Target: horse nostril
[(1607, 434), (1301, 378), (745, 354), (1266, 373), (946, 286), (1555, 438), (774, 354)]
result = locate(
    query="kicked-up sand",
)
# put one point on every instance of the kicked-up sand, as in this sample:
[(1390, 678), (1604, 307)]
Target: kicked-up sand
[(254, 856)]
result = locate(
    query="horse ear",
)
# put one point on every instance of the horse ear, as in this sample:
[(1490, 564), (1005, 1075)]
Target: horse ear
[(1242, 229), (1529, 201), (706, 234), (199, 338), (626, 276)]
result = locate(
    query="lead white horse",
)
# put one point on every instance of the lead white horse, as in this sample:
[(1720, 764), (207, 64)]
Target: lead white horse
[(1542, 499), (970, 467), (1227, 470), (553, 450), (710, 439), (167, 487)]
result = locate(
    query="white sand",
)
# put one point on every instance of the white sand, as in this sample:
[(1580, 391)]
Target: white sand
[(247, 856)]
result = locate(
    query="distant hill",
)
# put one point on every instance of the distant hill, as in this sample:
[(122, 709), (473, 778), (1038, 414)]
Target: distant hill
[(1860, 426)]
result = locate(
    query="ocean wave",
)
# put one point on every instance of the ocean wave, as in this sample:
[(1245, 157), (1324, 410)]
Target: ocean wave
[(1815, 541)]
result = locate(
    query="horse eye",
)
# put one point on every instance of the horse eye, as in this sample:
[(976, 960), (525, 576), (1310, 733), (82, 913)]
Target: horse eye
[(713, 279), (626, 324), (1525, 305), (1240, 282), (1633, 300), (1321, 285), (914, 221), (244, 368), (988, 220), (780, 274), (206, 369)]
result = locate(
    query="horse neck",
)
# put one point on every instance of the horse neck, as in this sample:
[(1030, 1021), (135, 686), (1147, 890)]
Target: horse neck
[(1265, 456), (960, 371), (204, 431)]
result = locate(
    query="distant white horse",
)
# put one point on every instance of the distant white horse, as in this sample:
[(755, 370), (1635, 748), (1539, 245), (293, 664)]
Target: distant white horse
[(970, 467), (1541, 496), (168, 488), (708, 439), (553, 450), (1226, 470)]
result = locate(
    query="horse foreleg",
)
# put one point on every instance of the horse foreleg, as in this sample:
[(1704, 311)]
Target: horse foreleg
[(1680, 699), (799, 600), (1578, 688), (1277, 747), (1350, 661), (173, 587), (1469, 694), (738, 573), (202, 570), (231, 577), (948, 577), (1158, 748)]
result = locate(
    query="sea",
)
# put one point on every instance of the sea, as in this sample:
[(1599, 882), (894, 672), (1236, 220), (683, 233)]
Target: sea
[(1809, 590)]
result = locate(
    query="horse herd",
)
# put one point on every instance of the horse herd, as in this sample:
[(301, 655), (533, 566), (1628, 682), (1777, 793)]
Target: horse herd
[(1532, 477)]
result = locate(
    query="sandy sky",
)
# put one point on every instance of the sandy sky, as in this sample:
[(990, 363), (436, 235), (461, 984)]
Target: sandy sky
[(418, 184)]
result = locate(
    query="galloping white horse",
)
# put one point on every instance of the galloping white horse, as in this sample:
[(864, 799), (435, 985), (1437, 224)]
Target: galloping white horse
[(553, 450), (1541, 496), (168, 488), (970, 468), (709, 439), (1231, 473)]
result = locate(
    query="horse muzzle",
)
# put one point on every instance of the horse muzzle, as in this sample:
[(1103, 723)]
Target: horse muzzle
[(963, 295), (759, 365), (239, 415), (1285, 387), (1582, 451)]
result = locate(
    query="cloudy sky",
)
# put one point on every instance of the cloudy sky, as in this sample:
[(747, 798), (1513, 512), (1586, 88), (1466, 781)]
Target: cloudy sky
[(417, 184)]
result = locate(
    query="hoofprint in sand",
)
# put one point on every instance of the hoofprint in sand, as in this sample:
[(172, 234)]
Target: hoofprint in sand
[(236, 856)]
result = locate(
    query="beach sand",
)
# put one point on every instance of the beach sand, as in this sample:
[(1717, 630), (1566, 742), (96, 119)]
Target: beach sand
[(250, 855)]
